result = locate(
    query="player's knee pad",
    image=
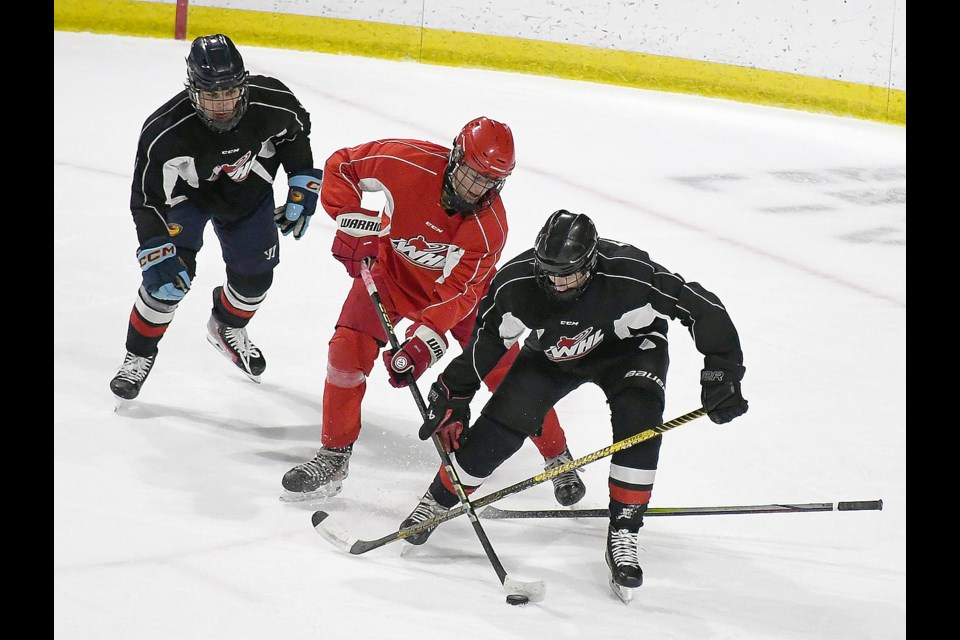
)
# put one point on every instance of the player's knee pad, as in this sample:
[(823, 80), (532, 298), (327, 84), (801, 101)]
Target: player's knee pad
[(249, 285), (486, 445), (350, 357)]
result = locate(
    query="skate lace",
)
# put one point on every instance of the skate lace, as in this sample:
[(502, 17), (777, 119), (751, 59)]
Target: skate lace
[(623, 547), (566, 478), (427, 509), (135, 368), (240, 342), (325, 465)]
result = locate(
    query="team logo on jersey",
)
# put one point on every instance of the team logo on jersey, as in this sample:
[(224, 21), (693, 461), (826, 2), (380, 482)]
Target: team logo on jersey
[(238, 171), (575, 347), (429, 255), (174, 229)]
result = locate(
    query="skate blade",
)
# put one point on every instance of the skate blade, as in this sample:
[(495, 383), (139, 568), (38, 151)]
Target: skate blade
[(408, 550), (226, 354), (624, 593), (328, 491)]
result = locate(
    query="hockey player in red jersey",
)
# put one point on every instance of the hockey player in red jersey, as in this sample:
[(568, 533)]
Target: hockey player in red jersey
[(434, 249)]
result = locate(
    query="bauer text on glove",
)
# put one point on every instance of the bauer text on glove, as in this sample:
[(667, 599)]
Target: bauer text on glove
[(423, 348), (164, 273), (447, 416), (294, 216), (357, 238), (720, 393)]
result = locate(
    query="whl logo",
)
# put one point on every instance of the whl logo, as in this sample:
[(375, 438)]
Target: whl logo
[(238, 171), (430, 255), (575, 347)]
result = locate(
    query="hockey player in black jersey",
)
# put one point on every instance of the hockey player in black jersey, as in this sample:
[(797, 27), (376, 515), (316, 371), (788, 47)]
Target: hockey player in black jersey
[(596, 311), (211, 154)]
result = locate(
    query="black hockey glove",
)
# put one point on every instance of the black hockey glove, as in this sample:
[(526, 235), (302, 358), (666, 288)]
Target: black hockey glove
[(447, 416), (720, 393), (294, 216), (165, 274)]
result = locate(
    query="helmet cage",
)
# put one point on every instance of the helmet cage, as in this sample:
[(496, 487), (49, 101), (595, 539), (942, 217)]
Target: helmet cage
[(545, 271), (564, 250), (466, 189), (215, 66)]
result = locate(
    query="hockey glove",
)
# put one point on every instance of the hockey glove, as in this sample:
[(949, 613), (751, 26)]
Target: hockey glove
[(165, 274), (447, 416), (720, 393), (357, 238), (294, 216), (422, 348)]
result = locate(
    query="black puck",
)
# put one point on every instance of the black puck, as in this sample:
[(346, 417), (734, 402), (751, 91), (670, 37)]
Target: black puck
[(516, 599)]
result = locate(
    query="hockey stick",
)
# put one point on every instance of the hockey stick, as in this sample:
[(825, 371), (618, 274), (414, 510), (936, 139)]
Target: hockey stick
[(340, 537), (493, 513), (532, 591)]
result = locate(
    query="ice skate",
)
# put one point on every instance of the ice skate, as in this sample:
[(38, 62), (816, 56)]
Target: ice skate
[(568, 488), (131, 376), (321, 477), (625, 572), (427, 508), (235, 345)]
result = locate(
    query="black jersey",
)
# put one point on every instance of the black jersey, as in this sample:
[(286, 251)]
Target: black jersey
[(227, 174), (631, 298)]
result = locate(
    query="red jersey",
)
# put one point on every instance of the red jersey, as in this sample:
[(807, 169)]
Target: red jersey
[(436, 266)]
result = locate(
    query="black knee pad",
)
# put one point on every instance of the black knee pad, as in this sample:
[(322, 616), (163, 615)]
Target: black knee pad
[(486, 445), (250, 286)]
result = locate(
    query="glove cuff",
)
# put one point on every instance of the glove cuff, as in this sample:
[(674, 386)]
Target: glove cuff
[(309, 179), (358, 223), (456, 397), (434, 341), (154, 251)]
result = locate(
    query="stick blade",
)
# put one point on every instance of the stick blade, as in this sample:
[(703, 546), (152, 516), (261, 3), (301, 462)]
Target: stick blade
[(333, 533), (535, 591)]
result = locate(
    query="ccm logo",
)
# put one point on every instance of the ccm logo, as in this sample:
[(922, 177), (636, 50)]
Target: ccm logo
[(158, 255)]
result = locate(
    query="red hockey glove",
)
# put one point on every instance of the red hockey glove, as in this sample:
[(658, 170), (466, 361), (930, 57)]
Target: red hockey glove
[(357, 238), (447, 416), (423, 347)]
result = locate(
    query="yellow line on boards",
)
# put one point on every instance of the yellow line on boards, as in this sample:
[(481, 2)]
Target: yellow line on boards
[(458, 49)]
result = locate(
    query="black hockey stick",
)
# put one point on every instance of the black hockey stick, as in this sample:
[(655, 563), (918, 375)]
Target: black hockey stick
[(340, 537), (533, 591), (493, 513)]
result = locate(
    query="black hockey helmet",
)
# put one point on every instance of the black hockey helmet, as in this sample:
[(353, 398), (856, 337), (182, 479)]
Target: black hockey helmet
[(215, 65), (565, 255)]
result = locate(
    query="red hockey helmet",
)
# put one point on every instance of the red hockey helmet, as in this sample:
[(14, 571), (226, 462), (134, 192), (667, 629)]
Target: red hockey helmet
[(482, 158), (488, 147)]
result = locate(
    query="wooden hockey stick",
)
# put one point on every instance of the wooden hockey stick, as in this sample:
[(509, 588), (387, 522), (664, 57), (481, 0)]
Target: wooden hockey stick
[(533, 591)]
